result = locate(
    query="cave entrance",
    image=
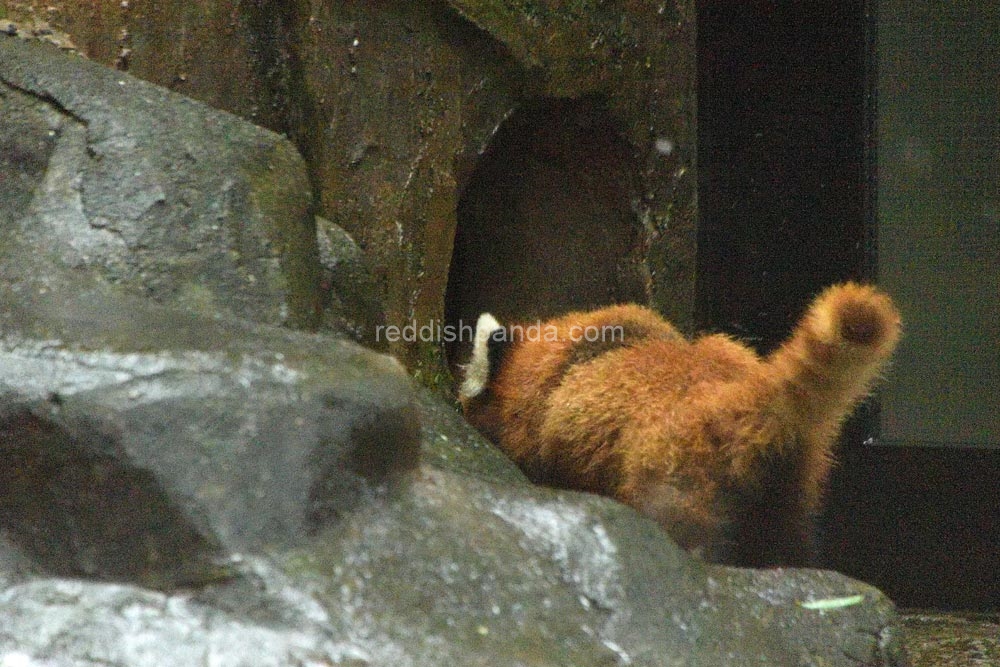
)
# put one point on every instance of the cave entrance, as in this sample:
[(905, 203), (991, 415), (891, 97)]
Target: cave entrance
[(546, 223)]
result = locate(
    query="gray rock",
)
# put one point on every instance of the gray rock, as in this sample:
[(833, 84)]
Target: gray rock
[(347, 288), (451, 443), (152, 445), (464, 571), (60, 622), (111, 178)]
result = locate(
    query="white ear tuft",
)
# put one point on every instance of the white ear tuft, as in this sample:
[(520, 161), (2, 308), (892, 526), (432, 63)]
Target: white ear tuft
[(477, 371)]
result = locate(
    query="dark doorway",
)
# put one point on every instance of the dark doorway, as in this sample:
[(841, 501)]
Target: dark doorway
[(546, 223), (787, 205)]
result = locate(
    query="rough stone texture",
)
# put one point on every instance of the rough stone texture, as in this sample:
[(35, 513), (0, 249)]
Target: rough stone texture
[(451, 443), (272, 616), (113, 178), (199, 48), (72, 623), (490, 574), (393, 104), (350, 303), (405, 99), (151, 443)]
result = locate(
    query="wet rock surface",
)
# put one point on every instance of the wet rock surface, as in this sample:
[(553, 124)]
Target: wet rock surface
[(114, 179), (520, 575), (349, 298), (152, 444)]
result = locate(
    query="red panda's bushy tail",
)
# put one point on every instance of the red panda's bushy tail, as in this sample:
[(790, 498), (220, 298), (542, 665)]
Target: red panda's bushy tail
[(837, 351)]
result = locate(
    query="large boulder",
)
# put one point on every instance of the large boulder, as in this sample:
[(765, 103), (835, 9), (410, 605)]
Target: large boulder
[(154, 445), (116, 180)]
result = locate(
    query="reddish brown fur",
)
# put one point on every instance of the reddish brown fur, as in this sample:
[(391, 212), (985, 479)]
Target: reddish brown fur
[(728, 451)]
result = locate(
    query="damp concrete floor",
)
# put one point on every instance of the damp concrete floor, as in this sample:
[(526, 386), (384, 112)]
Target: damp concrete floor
[(952, 640)]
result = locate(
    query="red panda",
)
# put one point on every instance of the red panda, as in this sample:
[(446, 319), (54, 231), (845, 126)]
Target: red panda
[(728, 451)]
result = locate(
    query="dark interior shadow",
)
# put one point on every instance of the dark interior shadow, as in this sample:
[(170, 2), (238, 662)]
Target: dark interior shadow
[(546, 224)]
